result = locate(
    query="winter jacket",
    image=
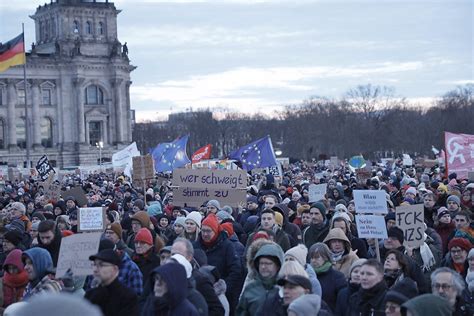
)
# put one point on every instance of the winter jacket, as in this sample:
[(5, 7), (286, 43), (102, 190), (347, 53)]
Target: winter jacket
[(343, 265), (197, 299), (205, 286), (313, 234), (292, 230), (427, 304), (258, 290), (14, 284), (174, 302), (342, 302), (370, 302), (146, 263), (281, 238), (53, 247), (114, 299), (42, 264), (445, 230), (222, 255), (332, 282)]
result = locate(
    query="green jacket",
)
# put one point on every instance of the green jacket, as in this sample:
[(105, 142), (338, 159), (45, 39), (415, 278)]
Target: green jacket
[(258, 290)]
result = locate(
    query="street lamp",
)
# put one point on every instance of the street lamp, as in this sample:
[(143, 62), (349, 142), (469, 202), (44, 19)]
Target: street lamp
[(100, 145), (278, 152)]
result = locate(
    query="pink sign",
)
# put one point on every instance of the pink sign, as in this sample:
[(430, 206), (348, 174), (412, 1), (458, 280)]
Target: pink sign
[(459, 153)]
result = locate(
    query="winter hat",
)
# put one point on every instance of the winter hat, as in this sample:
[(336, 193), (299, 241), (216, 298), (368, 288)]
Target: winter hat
[(320, 206), (116, 228), (344, 215), (19, 206), (107, 255), (442, 211), (461, 243), (154, 209), (402, 291), (299, 253), (38, 215), (180, 221), (390, 216), (150, 191), (228, 228), (295, 279), (13, 236), (453, 198), (211, 222), (214, 203), (17, 225), (433, 304), (195, 217), (279, 219), (397, 233), (142, 217), (308, 304), (357, 263), (227, 208), (140, 204), (341, 208), (411, 190), (144, 236), (185, 263), (252, 199), (223, 215), (425, 178)]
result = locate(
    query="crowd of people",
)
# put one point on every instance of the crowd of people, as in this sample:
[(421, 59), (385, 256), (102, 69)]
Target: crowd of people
[(274, 254)]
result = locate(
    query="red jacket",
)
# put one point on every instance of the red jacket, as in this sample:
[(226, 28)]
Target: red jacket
[(14, 284)]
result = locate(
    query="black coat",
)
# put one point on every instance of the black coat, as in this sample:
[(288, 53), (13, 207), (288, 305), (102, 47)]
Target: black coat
[(114, 299), (53, 247), (205, 287), (368, 302), (342, 303), (332, 281)]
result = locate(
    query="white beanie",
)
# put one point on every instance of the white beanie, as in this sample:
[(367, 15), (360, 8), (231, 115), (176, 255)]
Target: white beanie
[(340, 208), (185, 263), (299, 253), (343, 215), (195, 217), (411, 190)]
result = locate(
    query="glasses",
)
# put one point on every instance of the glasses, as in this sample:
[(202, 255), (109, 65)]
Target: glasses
[(442, 286)]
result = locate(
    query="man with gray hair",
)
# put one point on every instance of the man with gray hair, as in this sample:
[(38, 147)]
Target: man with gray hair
[(17, 211), (204, 285), (447, 283)]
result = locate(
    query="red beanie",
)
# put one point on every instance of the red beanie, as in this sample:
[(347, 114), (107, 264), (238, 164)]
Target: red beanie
[(261, 234), (229, 228), (461, 243), (211, 221), (144, 235)]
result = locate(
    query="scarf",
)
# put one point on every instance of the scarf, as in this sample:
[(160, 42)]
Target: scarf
[(16, 280), (324, 268), (427, 257), (337, 256), (368, 294)]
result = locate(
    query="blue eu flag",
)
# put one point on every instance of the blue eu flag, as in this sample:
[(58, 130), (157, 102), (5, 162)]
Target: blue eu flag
[(258, 154), (169, 156)]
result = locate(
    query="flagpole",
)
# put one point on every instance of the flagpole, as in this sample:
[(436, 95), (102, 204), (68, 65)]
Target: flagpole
[(27, 138)]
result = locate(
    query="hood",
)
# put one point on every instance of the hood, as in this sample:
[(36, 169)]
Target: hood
[(174, 275), (428, 304), (283, 210), (41, 260), (337, 233), (14, 259), (270, 250)]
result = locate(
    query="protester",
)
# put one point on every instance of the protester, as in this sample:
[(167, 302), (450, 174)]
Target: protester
[(353, 285), (15, 278), (450, 285), (319, 227)]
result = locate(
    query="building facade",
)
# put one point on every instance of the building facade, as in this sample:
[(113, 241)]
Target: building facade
[(77, 89)]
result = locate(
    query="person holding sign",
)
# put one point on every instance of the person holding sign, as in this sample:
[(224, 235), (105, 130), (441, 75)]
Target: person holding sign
[(113, 298)]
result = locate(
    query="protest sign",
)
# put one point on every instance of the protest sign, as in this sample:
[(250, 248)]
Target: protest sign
[(74, 254), (78, 194), (143, 168), (316, 192), (410, 219), (334, 162), (52, 190), (371, 226), (370, 201), (459, 154), (195, 186), (91, 219), (470, 176)]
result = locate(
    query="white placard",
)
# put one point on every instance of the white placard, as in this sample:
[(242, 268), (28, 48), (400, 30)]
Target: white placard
[(91, 219), (370, 201), (371, 226), (316, 192)]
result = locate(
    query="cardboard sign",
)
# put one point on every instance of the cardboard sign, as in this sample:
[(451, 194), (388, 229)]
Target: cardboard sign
[(75, 252), (316, 192), (78, 194), (371, 226), (370, 201), (334, 161), (195, 186), (52, 191), (13, 174), (143, 168), (410, 219), (470, 176), (91, 219)]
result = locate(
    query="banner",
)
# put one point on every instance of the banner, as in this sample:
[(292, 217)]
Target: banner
[(195, 186), (124, 157), (410, 219), (370, 201), (202, 153), (44, 168), (459, 153), (371, 226), (74, 254)]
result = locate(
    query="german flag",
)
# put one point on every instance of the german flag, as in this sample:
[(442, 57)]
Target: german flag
[(12, 53)]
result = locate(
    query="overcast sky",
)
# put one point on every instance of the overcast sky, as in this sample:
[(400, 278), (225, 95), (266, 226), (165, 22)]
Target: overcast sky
[(259, 55)]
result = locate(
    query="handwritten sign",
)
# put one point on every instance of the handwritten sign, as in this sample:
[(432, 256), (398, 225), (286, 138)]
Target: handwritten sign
[(91, 219), (195, 186), (316, 192), (410, 219), (74, 254), (370, 201), (52, 190), (143, 168), (371, 226)]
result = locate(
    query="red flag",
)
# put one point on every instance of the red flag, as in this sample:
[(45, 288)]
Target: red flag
[(202, 153), (459, 154)]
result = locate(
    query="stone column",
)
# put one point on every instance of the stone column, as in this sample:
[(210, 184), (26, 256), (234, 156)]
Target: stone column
[(11, 101), (36, 100), (118, 109), (128, 121), (81, 137)]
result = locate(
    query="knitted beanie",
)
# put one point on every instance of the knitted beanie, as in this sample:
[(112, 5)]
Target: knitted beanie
[(229, 228), (212, 222), (181, 221), (397, 233), (299, 253), (453, 198), (116, 228), (144, 236), (143, 218), (214, 203), (223, 215), (320, 206), (442, 211), (308, 304), (196, 217)]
